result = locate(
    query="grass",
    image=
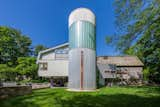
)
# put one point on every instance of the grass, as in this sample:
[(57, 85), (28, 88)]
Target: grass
[(143, 96)]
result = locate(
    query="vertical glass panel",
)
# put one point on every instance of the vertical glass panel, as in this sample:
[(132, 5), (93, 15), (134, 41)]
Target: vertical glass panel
[(82, 35)]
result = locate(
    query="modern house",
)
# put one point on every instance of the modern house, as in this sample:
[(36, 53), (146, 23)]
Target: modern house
[(53, 63)]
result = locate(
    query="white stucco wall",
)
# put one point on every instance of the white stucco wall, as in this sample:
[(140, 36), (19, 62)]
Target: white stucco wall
[(55, 68), (48, 56)]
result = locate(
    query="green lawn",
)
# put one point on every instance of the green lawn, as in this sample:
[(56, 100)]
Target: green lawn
[(106, 97)]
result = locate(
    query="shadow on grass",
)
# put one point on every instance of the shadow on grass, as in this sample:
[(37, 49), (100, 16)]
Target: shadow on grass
[(145, 89), (120, 100), (62, 98), (27, 100)]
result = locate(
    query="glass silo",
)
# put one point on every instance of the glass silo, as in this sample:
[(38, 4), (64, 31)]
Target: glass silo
[(82, 54)]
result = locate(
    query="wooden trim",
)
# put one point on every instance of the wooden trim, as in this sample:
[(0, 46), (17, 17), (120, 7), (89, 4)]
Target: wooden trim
[(82, 71), (44, 66)]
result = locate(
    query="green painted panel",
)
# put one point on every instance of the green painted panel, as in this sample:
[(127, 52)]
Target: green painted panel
[(82, 35)]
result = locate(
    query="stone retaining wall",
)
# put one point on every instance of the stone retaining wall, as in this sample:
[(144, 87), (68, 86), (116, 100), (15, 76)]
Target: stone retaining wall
[(40, 85), (6, 92)]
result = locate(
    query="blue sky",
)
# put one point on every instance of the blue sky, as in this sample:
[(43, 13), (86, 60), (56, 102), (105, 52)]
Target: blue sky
[(46, 21)]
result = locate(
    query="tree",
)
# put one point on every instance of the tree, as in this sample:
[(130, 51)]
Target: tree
[(27, 66), (148, 49), (39, 48), (7, 73), (13, 44), (138, 32), (133, 17)]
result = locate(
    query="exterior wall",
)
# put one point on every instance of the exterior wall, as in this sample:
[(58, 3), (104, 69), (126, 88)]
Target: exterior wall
[(61, 56), (132, 72), (132, 75), (48, 56), (89, 76), (56, 61), (55, 68)]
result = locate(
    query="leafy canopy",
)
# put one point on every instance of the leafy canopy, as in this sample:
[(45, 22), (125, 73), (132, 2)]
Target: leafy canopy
[(138, 33), (13, 44)]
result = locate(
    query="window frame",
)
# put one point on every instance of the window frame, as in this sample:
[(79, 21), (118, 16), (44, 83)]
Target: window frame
[(43, 66)]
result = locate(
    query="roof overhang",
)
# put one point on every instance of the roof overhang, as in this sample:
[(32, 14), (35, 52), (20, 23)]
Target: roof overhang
[(50, 49)]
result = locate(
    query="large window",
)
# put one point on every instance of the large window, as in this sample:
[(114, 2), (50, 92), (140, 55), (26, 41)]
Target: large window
[(61, 54), (43, 66)]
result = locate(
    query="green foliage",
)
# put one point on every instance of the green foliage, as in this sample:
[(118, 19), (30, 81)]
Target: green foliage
[(138, 26), (148, 49), (7, 73), (15, 55), (27, 66), (133, 18), (39, 48), (108, 39), (97, 78), (104, 97), (13, 45), (146, 74)]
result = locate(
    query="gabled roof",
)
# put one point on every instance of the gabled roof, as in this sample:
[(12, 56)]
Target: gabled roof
[(51, 49), (120, 60)]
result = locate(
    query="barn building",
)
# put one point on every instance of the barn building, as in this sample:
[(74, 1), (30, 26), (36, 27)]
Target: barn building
[(124, 69)]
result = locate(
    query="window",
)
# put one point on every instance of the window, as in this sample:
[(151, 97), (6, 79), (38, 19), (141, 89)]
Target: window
[(61, 54), (105, 57), (107, 71), (43, 66)]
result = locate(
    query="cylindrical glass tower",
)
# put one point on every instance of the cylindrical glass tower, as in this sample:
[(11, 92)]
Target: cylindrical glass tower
[(82, 54)]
